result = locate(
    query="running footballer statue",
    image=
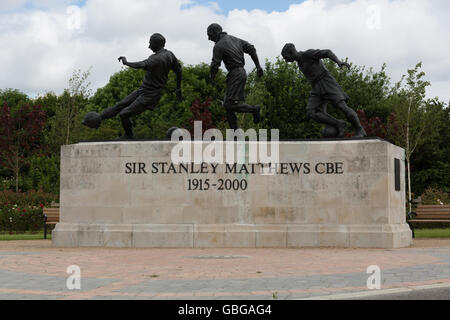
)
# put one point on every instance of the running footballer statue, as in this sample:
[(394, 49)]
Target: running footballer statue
[(157, 68), (230, 50), (325, 89)]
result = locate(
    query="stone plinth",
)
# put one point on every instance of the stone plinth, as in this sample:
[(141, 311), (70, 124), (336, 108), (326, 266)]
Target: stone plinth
[(346, 193)]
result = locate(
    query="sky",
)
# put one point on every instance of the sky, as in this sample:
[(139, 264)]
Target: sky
[(228, 5), (46, 40)]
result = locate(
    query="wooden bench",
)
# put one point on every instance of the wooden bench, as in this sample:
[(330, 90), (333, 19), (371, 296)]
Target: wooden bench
[(51, 216), (429, 213)]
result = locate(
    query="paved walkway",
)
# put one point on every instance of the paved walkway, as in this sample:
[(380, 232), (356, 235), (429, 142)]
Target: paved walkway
[(36, 270)]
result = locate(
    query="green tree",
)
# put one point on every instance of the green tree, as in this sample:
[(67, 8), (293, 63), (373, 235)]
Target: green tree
[(430, 163), (44, 173), (49, 103), (13, 97), (415, 116), (65, 124)]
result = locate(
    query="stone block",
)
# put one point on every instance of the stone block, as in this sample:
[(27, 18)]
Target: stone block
[(240, 236), (342, 195), (162, 236), (271, 236), (209, 236)]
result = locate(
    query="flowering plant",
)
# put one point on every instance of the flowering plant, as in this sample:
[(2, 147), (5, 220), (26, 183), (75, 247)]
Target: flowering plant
[(14, 218)]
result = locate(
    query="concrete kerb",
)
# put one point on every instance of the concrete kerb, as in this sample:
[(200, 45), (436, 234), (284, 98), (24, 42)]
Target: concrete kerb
[(372, 293)]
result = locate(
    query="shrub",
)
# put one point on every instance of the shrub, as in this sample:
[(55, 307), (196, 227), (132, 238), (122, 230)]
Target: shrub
[(22, 211), (435, 196), (29, 198), (44, 173), (14, 218)]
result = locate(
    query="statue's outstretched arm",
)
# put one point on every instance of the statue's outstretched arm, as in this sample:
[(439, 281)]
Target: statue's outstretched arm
[(330, 55), (134, 65)]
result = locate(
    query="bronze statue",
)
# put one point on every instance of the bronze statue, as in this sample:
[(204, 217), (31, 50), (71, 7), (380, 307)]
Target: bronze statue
[(325, 89), (157, 68), (231, 50)]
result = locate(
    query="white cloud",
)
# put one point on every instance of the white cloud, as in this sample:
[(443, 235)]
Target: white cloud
[(11, 4), (42, 48)]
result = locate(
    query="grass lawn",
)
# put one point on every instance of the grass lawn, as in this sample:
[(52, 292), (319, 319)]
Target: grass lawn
[(25, 236), (432, 233)]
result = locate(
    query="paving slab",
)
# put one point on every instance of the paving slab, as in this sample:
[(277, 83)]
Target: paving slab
[(37, 270)]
